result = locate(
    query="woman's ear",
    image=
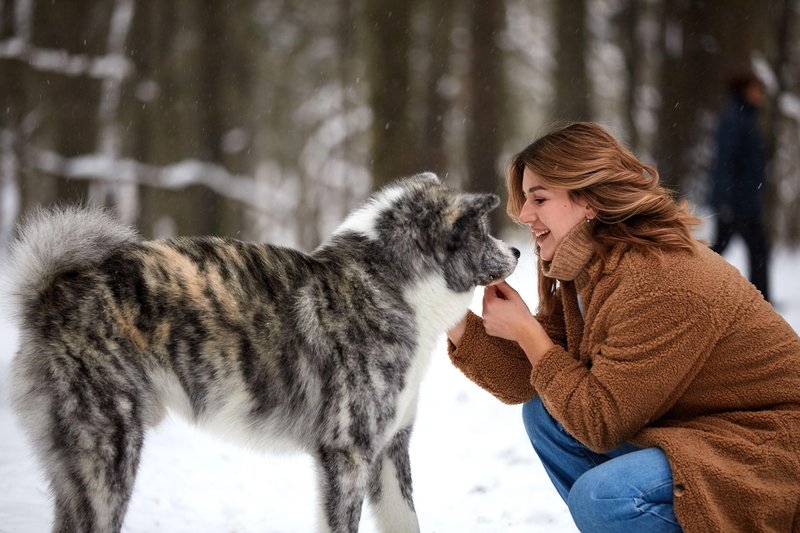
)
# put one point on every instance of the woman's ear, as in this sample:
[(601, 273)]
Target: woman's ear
[(589, 213)]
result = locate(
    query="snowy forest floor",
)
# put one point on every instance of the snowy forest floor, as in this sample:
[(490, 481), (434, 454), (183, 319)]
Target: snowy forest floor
[(473, 467)]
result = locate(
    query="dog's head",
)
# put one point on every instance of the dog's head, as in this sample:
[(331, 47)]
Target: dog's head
[(425, 227)]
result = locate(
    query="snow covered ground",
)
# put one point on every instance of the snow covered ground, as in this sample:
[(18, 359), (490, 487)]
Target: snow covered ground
[(473, 467)]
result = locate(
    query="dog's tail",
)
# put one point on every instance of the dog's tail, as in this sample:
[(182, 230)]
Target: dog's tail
[(52, 241)]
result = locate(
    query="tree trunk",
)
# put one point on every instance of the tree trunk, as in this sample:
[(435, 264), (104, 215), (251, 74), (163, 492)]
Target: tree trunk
[(781, 18), (210, 59), (486, 90), (573, 93), (690, 79), (628, 30), (68, 104), (433, 150), (388, 23)]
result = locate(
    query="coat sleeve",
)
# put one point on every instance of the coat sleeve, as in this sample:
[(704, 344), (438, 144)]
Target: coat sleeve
[(654, 345), (497, 365)]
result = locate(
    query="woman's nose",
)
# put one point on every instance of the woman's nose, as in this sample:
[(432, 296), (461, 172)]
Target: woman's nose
[(527, 215)]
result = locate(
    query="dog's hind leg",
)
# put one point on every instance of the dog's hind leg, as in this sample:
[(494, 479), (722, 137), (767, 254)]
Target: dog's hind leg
[(390, 487), (86, 420), (343, 476)]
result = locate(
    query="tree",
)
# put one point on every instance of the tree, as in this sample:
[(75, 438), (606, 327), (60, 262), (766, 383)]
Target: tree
[(432, 151), (388, 28), (573, 91), (632, 48), (783, 213), (486, 92)]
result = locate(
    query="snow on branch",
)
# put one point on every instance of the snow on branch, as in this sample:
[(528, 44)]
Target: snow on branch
[(244, 189), (109, 66), (114, 66)]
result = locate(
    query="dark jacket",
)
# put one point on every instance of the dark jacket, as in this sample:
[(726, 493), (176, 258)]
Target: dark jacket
[(739, 169)]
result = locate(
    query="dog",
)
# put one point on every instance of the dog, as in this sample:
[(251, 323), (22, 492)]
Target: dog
[(320, 352)]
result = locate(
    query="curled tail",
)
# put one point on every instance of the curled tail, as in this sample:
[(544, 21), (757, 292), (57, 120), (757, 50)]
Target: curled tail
[(52, 241)]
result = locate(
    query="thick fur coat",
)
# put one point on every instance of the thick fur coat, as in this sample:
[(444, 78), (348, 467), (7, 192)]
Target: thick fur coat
[(275, 348)]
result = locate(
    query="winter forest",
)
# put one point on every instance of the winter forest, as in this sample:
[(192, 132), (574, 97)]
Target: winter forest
[(269, 119)]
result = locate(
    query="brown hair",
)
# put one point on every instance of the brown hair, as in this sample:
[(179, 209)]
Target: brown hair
[(632, 207)]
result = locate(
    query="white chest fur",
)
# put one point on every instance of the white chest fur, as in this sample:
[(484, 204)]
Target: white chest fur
[(436, 309)]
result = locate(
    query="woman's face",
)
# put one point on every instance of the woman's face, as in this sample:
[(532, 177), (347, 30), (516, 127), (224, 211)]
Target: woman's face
[(550, 213)]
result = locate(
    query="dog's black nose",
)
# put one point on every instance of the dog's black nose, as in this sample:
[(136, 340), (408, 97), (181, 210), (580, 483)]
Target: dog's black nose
[(515, 252)]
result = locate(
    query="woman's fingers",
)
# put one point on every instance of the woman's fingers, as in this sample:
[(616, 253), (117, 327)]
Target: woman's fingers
[(506, 291)]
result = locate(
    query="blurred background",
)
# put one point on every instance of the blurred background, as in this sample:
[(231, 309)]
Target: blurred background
[(270, 119)]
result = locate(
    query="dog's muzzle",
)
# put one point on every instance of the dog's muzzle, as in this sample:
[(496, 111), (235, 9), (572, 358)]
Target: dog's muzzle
[(494, 278)]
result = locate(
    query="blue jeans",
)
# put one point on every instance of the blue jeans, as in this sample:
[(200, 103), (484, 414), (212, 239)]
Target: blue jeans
[(628, 489)]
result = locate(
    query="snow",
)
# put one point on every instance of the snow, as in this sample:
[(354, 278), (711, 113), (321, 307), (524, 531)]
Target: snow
[(473, 467)]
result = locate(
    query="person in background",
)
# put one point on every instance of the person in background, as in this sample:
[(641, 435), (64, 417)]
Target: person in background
[(660, 390), (738, 174)]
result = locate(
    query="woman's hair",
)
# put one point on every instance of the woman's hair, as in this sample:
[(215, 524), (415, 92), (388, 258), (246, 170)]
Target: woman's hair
[(632, 207)]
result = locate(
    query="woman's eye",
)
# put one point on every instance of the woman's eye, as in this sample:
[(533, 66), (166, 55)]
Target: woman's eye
[(534, 200)]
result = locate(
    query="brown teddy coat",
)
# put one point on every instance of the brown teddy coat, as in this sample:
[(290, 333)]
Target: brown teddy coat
[(678, 352)]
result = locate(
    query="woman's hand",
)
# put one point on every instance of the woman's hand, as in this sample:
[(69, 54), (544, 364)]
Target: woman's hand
[(506, 315)]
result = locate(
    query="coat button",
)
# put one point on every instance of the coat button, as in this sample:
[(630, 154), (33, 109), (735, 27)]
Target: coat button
[(679, 489)]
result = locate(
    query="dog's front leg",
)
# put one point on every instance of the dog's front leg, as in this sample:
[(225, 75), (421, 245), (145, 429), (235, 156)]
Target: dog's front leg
[(390, 487), (343, 475)]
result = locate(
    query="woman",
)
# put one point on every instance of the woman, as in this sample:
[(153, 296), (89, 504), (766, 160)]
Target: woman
[(662, 392)]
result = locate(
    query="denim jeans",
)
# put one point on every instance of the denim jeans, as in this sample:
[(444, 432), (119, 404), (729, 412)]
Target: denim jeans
[(628, 489)]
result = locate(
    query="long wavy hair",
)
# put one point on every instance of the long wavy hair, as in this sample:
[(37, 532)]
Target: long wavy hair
[(632, 207)]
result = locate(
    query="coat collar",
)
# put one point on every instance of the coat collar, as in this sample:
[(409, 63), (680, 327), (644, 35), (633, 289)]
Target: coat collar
[(572, 256), (575, 258)]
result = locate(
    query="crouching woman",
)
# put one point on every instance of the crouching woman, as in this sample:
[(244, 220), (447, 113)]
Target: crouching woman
[(661, 391)]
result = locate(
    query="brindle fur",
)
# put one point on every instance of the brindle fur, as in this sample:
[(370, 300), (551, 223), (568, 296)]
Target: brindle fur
[(322, 352)]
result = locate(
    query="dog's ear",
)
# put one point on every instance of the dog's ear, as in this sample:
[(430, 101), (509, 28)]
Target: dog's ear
[(470, 209), (477, 205)]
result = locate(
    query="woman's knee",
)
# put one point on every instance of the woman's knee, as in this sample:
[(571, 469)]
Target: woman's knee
[(586, 505), (630, 493)]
